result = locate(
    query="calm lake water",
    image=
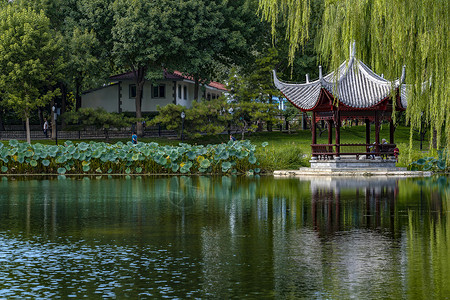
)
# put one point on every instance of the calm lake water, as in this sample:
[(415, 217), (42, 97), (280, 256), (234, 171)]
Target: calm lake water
[(224, 237)]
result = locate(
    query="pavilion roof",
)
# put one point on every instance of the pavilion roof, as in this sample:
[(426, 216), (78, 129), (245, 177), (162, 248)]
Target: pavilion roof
[(354, 84)]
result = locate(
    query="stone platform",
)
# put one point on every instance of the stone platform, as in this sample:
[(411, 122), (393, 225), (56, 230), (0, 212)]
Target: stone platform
[(352, 167), (352, 163)]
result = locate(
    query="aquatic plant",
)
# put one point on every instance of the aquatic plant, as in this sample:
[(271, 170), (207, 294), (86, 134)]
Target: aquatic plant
[(120, 158), (431, 163)]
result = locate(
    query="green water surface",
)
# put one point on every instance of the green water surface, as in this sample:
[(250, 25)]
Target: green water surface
[(224, 237)]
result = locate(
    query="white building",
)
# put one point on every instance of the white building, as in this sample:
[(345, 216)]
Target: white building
[(175, 88)]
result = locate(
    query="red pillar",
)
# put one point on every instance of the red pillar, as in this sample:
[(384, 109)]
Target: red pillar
[(338, 131), (313, 132), (367, 135), (330, 136), (377, 131)]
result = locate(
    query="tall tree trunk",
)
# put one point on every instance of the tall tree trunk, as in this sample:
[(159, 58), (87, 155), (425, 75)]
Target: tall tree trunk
[(434, 140), (27, 125), (139, 76)]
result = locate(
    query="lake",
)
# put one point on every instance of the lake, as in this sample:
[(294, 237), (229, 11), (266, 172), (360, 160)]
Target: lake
[(224, 237)]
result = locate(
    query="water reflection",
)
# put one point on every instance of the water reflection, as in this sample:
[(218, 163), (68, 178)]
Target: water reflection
[(224, 237)]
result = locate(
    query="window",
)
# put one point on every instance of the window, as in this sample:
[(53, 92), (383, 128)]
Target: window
[(208, 96), (132, 91), (179, 91), (185, 92), (159, 91)]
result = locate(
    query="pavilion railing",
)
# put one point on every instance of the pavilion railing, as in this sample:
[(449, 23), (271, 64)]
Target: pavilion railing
[(330, 151)]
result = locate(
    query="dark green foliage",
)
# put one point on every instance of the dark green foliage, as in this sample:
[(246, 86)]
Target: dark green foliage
[(438, 164), (97, 118)]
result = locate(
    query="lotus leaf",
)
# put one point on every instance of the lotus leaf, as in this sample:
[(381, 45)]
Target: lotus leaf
[(252, 159), (135, 157), (12, 151), (110, 171), (71, 149), (28, 153), (83, 146), (21, 158), (96, 153), (86, 168), (175, 167), (420, 162), (138, 169), (226, 166), (33, 163), (1, 145), (76, 156), (205, 163), (98, 170), (264, 144), (257, 170), (13, 143), (61, 170), (128, 170), (68, 167), (61, 159), (427, 166), (191, 155), (5, 160), (4, 169), (68, 143), (441, 164), (46, 162), (202, 170)]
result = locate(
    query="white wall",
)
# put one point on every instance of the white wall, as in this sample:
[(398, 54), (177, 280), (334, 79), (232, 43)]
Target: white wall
[(148, 103), (106, 97)]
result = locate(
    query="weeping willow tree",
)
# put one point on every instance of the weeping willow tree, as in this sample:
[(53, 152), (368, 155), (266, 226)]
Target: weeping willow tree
[(388, 35)]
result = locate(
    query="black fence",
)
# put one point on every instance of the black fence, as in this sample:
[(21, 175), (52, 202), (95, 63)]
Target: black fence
[(37, 134)]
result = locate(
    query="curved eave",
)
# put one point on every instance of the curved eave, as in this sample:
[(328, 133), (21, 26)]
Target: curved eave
[(303, 96)]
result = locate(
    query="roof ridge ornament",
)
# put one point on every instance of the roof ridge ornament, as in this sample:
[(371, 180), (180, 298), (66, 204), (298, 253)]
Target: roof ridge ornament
[(402, 79), (320, 75), (352, 49)]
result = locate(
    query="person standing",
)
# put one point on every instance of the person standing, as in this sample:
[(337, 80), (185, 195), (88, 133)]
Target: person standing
[(134, 138), (45, 127)]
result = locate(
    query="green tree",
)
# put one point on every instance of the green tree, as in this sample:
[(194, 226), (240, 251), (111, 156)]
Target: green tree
[(218, 34), (97, 118), (204, 117), (30, 60), (388, 35), (147, 35), (247, 115)]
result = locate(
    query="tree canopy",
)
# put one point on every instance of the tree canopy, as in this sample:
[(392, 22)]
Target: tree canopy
[(30, 60), (388, 34)]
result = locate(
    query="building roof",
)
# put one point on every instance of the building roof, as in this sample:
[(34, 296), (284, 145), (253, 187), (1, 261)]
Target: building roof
[(176, 75), (354, 84)]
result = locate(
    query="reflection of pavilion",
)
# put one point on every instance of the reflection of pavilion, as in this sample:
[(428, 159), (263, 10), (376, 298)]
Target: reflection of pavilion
[(366, 201)]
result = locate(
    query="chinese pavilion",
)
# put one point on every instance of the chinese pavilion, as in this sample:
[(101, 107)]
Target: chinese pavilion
[(353, 92)]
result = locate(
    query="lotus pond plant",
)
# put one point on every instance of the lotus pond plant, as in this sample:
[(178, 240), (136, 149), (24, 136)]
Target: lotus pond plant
[(438, 164), (144, 158)]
